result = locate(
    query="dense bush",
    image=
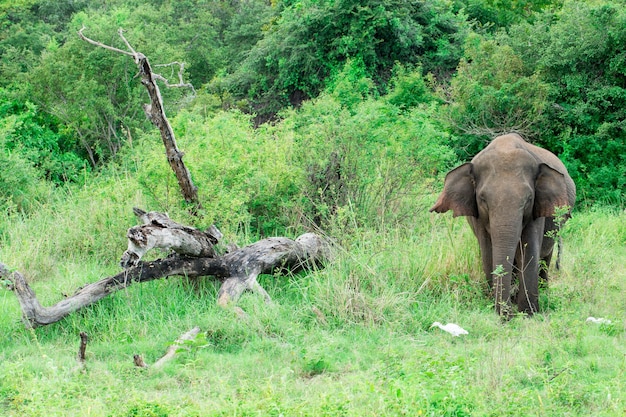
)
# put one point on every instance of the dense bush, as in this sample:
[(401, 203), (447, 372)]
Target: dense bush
[(366, 158), (493, 93), (580, 52), (245, 176), (33, 136), (312, 41), (552, 71), (584, 60), (561, 81)]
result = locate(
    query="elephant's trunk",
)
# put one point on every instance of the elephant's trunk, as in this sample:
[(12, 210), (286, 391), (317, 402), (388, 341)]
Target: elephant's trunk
[(505, 239)]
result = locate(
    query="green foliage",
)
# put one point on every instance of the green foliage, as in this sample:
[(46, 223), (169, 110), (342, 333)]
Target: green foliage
[(22, 185), (579, 52), (94, 92), (492, 15), (550, 70), (493, 93), (408, 88), (80, 222), (351, 85), (147, 409), (246, 179), (32, 134), (313, 40), (22, 189), (366, 160)]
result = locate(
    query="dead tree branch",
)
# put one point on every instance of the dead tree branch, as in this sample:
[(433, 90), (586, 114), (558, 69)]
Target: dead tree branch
[(159, 231), (156, 114), (238, 271), (83, 348), (181, 82), (171, 351), (179, 343)]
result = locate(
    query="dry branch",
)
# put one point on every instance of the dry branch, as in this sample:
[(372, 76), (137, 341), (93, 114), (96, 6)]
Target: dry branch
[(171, 351), (82, 348), (238, 271), (139, 362), (156, 114)]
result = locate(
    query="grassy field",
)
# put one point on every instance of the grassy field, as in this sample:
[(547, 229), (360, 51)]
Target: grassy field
[(352, 339)]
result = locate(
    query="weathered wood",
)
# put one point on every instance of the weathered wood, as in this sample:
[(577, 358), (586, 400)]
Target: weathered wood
[(82, 348), (159, 231), (139, 362), (264, 256), (238, 270), (156, 114), (171, 351), (34, 314)]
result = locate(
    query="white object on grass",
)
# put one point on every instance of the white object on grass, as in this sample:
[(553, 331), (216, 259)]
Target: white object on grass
[(598, 320), (453, 329)]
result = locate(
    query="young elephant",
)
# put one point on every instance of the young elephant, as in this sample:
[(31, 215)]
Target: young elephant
[(509, 192)]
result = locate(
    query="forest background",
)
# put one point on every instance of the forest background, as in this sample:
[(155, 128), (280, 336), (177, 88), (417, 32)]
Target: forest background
[(336, 116)]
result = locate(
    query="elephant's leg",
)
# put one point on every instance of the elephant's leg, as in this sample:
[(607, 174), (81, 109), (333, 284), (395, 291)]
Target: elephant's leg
[(547, 247), (531, 243), (486, 253)]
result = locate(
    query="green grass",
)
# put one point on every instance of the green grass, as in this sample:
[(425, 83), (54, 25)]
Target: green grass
[(352, 339)]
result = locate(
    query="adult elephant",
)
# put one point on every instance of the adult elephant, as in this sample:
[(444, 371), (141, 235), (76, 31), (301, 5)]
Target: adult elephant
[(509, 192)]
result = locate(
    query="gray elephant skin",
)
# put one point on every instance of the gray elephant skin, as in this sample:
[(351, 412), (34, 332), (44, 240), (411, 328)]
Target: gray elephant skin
[(509, 192)]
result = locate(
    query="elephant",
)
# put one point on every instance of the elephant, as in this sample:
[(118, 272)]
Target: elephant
[(509, 192)]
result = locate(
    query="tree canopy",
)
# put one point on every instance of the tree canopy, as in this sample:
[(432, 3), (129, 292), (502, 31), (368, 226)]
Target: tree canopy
[(552, 70)]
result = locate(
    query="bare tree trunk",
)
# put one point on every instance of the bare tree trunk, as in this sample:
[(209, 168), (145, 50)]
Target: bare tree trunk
[(156, 114)]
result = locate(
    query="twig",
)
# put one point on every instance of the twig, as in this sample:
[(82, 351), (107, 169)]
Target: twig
[(181, 82), (101, 45), (171, 351), (558, 373), (81, 350)]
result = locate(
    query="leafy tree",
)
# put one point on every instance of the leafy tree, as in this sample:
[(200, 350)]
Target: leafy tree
[(581, 52), (21, 184), (312, 40), (493, 15), (408, 88), (34, 136), (93, 91), (493, 93)]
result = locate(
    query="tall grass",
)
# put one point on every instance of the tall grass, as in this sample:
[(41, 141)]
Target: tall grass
[(369, 353)]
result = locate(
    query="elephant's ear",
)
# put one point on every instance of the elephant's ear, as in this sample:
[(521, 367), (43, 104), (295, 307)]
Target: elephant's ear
[(550, 191), (459, 193)]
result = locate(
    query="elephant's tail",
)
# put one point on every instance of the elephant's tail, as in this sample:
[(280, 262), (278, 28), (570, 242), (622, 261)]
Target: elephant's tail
[(559, 249)]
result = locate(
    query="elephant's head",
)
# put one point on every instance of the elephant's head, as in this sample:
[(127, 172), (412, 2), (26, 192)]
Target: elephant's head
[(480, 190)]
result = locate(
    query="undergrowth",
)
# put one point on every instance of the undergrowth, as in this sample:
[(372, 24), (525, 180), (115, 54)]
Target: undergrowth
[(350, 339)]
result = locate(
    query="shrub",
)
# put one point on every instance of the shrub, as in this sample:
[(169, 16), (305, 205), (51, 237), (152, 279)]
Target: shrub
[(493, 93)]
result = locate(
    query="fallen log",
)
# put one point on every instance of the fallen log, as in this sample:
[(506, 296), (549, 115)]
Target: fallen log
[(238, 270)]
